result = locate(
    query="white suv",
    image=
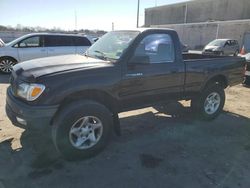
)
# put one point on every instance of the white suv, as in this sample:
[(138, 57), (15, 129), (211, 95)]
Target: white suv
[(38, 45)]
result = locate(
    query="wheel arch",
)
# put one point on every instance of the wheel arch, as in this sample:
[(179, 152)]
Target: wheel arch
[(10, 57), (216, 79), (99, 96)]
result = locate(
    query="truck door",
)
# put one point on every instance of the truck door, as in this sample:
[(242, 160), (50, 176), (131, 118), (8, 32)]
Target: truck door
[(153, 72)]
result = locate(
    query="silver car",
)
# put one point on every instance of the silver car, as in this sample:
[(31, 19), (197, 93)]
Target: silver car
[(39, 45), (222, 47)]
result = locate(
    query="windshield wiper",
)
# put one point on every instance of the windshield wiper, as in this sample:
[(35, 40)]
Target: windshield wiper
[(103, 55)]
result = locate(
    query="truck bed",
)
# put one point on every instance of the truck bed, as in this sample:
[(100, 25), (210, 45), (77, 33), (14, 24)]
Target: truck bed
[(193, 56), (196, 75)]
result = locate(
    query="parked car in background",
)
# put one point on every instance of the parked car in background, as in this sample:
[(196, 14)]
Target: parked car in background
[(39, 45), (247, 69), (222, 47)]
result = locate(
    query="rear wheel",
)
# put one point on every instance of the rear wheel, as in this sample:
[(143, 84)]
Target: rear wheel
[(210, 103), (82, 129), (6, 65)]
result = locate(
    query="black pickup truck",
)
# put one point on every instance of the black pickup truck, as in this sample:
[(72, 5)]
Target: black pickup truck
[(79, 97)]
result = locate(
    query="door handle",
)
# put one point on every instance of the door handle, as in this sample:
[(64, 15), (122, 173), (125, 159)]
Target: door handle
[(42, 50), (134, 74)]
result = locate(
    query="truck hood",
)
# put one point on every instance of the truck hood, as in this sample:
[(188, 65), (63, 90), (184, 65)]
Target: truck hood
[(50, 65)]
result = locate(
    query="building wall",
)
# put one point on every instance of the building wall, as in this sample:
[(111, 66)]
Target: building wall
[(197, 35), (198, 11)]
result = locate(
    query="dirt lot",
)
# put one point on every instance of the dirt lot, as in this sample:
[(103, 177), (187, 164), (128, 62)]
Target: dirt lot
[(162, 146)]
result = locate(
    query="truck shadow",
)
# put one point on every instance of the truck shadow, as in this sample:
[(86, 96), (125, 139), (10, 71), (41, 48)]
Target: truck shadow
[(171, 115), (39, 158), (4, 78), (168, 114)]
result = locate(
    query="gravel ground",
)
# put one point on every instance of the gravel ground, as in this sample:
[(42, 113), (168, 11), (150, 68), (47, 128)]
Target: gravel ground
[(161, 146)]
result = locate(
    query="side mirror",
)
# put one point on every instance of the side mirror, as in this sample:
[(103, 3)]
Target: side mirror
[(22, 44), (140, 59)]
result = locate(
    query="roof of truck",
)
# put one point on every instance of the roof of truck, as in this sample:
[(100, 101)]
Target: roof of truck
[(142, 29)]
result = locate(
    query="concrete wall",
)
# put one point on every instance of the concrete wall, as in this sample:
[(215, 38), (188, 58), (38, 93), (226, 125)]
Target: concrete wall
[(198, 11), (197, 35)]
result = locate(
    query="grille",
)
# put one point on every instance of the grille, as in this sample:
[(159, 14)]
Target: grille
[(208, 50)]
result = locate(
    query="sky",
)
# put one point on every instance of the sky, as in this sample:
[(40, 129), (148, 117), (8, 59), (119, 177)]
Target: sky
[(91, 14)]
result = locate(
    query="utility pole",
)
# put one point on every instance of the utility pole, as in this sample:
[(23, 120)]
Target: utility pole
[(75, 20), (138, 10), (218, 29), (113, 26), (186, 11)]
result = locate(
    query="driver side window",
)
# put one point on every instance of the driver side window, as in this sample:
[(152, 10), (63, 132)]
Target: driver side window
[(30, 42), (158, 48)]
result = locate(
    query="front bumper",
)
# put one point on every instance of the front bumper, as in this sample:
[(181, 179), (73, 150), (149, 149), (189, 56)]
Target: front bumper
[(36, 117)]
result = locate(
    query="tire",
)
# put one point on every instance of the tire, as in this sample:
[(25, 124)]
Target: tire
[(201, 104), (6, 64), (75, 143), (246, 81)]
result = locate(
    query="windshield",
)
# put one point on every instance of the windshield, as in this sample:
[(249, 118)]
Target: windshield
[(112, 45), (217, 43)]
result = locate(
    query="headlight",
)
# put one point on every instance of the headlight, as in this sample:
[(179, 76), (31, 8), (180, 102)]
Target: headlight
[(30, 92)]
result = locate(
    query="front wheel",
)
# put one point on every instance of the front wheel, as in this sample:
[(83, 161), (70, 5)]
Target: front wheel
[(210, 103), (6, 65), (246, 81), (82, 129)]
